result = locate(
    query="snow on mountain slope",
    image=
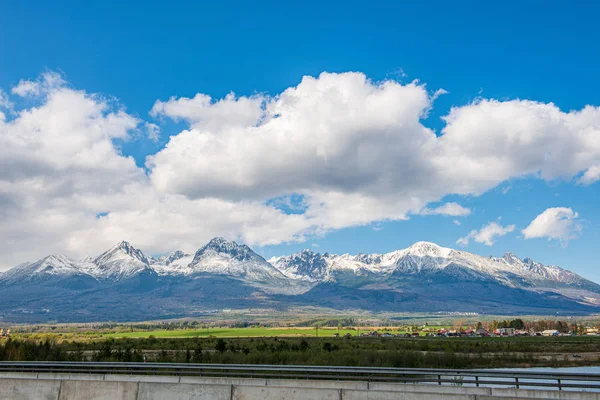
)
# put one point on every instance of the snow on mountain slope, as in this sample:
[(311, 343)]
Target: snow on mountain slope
[(223, 257), (175, 263), (120, 262), (304, 265), (167, 259), (52, 266), (317, 267), (429, 258), (298, 273)]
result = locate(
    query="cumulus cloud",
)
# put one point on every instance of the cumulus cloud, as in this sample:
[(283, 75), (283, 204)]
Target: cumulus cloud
[(357, 150), (27, 88), (448, 209), (456, 222), (205, 114), (45, 83), (353, 150), (487, 234), (332, 134), (560, 223), (591, 175), (58, 169), (343, 134)]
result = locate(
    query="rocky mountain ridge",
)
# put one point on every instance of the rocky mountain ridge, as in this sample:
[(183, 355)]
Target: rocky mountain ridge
[(226, 274)]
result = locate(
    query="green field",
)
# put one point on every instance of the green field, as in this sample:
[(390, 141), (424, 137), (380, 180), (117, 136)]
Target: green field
[(236, 332)]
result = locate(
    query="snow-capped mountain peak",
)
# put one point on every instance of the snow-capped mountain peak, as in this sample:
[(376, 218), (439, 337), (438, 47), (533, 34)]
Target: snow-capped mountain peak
[(303, 265), (240, 252), (511, 259), (297, 273), (120, 262), (220, 256), (50, 266), (55, 264), (126, 248), (428, 249)]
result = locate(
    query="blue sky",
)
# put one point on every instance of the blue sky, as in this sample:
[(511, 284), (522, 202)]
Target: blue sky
[(138, 53)]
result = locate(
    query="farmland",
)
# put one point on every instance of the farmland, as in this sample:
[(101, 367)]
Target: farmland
[(240, 332), (320, 340)]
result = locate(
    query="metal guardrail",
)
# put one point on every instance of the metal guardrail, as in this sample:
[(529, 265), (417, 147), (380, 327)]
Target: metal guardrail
[(477, 378)]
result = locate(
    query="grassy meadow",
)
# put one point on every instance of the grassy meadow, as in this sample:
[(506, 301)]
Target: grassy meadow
[(239, 332)]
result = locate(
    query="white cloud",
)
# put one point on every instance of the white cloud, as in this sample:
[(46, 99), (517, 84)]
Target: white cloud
[(65, 187), (591, 175), (27, 88), (58, 169), (456, 222), (355, 151), (327, 135), (5, 101), (377, 227), (45, 83), (487, 234), (449, 209), (560, 223), (152, 132), (205, 114)]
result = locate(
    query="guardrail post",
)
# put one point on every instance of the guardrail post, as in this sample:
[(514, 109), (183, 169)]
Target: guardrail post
[(477, 380), (559, 385), (440, 380), (517, 382)]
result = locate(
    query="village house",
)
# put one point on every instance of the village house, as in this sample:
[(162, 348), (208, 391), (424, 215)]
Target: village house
[(505, 331), (591, 331), (482, 332), (550, 332)]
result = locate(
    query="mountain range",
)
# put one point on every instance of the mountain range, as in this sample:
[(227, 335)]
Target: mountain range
[(124, 284)]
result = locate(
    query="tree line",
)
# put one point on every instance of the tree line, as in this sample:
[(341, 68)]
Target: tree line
[(375, 352)]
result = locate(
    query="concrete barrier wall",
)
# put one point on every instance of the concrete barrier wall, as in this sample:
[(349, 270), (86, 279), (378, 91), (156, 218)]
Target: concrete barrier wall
[(223, 381), (22, 386), (287, 393), (496, 398), (98, 390), (70, 377), (391, 387), (384, 395), (18, 375), (26, 389), (183, 391), (360, 385), (141, 378), (544, 394)]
